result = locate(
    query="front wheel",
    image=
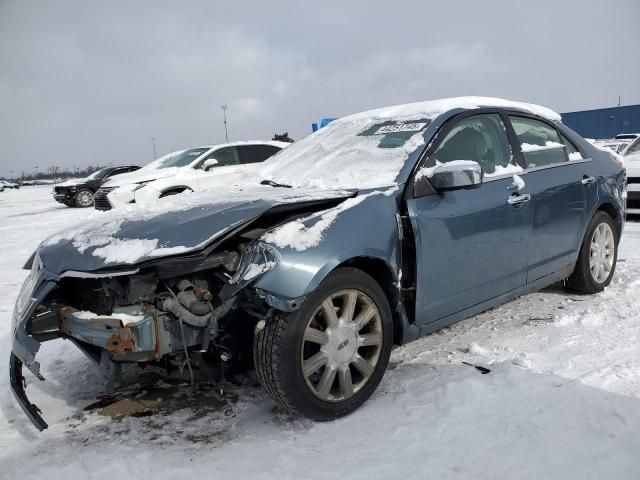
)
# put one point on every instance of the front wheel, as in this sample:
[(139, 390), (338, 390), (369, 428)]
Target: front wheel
[(597, 258), (326, 359), (84, 198)]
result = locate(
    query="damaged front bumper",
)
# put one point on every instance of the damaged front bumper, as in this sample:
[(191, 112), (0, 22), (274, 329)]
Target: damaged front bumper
[(25, 346)]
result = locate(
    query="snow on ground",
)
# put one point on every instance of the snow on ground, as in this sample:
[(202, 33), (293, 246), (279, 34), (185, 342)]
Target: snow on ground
[(562, 399)]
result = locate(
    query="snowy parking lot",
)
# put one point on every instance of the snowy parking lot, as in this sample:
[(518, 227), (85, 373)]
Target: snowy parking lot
[(561, 400)]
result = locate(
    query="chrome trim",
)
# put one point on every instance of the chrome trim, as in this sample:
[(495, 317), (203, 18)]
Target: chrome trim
[(556, 165)]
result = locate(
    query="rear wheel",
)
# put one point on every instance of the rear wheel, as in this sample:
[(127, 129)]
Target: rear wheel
[(598, 255), (84, 198), (326, 359)]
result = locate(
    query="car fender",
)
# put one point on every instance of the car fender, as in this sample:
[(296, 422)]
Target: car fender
[(362, 228)]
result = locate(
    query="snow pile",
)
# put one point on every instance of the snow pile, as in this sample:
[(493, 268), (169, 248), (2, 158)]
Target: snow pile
[(529, 147), (500, 170), (452, 165), (518, 182), (124, 317), (433, 108), (126, 251)]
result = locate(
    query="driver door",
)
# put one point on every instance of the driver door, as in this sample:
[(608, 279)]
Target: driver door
[(220, 174), (470, 243)]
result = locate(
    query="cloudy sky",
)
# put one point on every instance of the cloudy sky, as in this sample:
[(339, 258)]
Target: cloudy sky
[(88, 82)]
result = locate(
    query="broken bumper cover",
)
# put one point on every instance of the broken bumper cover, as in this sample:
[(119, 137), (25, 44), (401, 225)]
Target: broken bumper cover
[(25, 346), (18, 385)]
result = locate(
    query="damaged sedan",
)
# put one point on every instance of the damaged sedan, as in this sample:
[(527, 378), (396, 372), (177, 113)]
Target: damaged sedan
[(379, 228)]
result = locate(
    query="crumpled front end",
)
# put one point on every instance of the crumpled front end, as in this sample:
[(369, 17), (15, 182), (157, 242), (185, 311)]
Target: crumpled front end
[(188, 317)]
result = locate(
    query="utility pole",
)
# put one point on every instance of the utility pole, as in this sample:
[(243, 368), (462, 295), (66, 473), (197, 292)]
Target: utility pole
[(619, 100), (155, 156), (224, 114)]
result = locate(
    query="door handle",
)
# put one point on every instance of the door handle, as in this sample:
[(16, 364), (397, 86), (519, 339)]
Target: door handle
[(587, 180), (518, 200)]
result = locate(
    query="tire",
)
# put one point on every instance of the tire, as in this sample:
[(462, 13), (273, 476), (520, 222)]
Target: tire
[(584, 278), (84, 198), (283, 344)]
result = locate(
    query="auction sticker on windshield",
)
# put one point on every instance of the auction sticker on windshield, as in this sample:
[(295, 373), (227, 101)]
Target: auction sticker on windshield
[(400, 127)]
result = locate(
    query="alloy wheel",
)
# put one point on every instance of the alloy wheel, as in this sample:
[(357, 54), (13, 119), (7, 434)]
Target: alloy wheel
[(342, 345), (85, 198), (602, 252)]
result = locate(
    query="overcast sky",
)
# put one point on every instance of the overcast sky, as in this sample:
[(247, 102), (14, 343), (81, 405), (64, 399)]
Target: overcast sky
[(85, 82)]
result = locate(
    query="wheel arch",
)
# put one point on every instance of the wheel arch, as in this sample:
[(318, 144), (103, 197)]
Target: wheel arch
[(384, 275), (175, 189), (610, 209)]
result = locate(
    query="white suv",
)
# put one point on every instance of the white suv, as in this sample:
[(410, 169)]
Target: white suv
[(632, 164), (193, 169)]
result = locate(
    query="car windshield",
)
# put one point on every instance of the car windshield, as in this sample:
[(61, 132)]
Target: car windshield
[(99, 174), (354, 152), (181, 159)]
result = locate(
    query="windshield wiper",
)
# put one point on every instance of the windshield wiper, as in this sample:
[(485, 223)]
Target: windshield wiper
[(274, 184)]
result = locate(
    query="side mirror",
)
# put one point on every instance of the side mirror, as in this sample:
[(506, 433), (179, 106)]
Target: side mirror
[(209, 163), (454, 175)]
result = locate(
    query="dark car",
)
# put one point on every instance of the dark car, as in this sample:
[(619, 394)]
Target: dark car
[(377, 229), (80, 192)]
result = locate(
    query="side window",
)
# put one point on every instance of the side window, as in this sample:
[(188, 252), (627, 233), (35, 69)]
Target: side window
[(572, 152), (481, 138), (540, 143), (117, 171), (224, 156), (256, 153)]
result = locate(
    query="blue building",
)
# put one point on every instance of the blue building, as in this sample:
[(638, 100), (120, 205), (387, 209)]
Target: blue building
[(604, 122)]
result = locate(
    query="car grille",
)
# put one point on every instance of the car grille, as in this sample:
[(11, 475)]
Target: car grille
[(100, 200)]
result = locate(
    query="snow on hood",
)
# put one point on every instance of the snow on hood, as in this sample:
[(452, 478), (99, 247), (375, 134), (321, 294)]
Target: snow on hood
[(368, 150), (71, 183), (142, 175), (178, 224)]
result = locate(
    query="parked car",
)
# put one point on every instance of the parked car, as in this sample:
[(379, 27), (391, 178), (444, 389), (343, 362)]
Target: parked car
[(377, 229), (632, 163), (10, 185), (617, 146), (191, 170), (80, 192), (627, 136)]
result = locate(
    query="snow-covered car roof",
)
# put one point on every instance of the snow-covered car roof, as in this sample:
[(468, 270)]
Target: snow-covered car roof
[(369, 149)]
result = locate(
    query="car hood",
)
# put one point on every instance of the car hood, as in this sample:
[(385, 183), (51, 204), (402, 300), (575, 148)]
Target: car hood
[(140, 176), (182, 224)]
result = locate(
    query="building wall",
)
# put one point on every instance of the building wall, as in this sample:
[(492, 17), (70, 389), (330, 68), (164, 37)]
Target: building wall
[(604, 122)]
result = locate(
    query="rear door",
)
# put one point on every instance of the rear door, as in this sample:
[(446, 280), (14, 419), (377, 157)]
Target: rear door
[(558, 187), (470, 244)]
